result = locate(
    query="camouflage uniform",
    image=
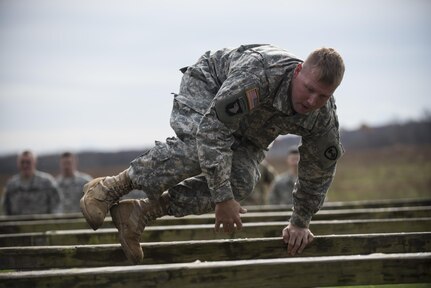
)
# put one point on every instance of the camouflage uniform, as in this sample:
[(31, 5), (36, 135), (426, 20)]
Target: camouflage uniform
[(282, 188), (38, 195), (260, 192), (71, 188), (231, 105)]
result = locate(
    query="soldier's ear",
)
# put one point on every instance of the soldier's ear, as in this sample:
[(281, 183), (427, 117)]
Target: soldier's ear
[(297, 69)]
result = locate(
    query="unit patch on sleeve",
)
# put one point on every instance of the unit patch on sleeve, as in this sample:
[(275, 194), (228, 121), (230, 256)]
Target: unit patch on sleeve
[(233, 108), (331, 153), (252, 98)]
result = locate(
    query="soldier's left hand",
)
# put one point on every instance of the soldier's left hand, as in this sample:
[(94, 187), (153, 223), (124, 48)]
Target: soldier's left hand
[(296, 238)]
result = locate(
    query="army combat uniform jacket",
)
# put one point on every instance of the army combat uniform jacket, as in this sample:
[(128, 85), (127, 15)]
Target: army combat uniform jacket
[(252, 104), (38, 195), (282, 188), (71, 189), (231, 105)]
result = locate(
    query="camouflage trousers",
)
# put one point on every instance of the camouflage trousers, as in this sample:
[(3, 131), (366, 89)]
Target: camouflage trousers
[(173, 166)]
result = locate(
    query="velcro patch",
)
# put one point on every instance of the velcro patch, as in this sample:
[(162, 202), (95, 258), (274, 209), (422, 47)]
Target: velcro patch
[(252, 98)]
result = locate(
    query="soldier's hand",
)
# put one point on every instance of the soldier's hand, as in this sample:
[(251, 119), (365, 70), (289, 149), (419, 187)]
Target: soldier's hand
[(296, 238), (227, 213)]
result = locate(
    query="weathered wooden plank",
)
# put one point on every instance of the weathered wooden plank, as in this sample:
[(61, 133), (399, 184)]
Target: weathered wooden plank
[(22, 258), (206, 232), (291, 272), (363, 213), (332, 205), (32, 217), (384, 203), (377, 203)]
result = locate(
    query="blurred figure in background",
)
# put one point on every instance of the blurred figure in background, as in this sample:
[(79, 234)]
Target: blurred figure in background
[(71, 182), (282, 188), (261, 190), (31, 191)]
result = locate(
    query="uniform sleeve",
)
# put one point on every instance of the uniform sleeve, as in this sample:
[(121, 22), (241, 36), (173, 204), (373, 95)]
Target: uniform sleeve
[(56, 199), (238, 95), (9, 189), (4, 201), (275, 192), (318, 156)]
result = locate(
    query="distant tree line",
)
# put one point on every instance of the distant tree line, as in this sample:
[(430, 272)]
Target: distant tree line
[(411, 133)]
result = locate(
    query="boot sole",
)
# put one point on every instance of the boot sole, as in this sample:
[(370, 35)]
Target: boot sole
[(87, 215), (116, 219), (84, 209)]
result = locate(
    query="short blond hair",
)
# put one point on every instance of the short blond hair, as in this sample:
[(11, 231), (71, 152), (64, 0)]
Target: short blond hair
[(328, 63)]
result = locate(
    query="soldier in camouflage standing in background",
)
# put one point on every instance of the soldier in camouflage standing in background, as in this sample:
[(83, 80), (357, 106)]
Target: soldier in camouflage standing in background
[(283, 185), (31, 191), (231, 105), (70, 182), (261, 190)]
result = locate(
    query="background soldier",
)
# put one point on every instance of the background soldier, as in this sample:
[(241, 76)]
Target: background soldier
[(261, 190), (282, 188), (231, 105), (70, 182), (31, 191)]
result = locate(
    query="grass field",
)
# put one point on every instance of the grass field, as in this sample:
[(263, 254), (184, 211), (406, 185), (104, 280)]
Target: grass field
[(390, 173), (387, 173)]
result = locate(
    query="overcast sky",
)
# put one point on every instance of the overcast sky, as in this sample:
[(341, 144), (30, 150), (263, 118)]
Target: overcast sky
[(97, 75)]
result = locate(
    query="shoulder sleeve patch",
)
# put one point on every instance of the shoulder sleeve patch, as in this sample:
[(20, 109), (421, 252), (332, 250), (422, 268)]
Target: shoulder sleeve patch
[(228, 108), (331, 153), (252, 97), (329, 148)]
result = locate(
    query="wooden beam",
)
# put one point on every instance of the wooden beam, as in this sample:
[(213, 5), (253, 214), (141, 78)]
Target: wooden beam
[(23, 258), (330, 205), (206, 232), (385, 203), (362, 213), (288, 272)]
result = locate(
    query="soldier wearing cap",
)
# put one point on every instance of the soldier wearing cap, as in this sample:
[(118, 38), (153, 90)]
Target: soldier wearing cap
[(231, 105), (31, 191)]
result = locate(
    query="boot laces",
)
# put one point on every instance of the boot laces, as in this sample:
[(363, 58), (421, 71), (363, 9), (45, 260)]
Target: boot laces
[(117, 186)]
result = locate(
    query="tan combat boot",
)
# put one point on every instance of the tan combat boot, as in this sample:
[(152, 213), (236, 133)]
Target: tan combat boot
[(100, 194), (130, 217)]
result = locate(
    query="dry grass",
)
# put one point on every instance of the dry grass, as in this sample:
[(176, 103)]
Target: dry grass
[(389, 173)]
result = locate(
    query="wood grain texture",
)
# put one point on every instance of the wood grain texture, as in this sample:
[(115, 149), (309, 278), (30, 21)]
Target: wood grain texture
[(284, 272), (270, 216), (210, 250)]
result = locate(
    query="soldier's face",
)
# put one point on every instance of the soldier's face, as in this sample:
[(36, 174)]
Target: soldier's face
[(67, 166), (308, 94), (293, 160), (26, 165)]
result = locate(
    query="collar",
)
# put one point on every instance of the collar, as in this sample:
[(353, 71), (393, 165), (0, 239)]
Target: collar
[(282, 100), (283, 103)]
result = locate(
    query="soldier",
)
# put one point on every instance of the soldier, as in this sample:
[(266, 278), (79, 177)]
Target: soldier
[(261, 190), (231, 105), (31, 191), (71, 182), (282, 188)]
